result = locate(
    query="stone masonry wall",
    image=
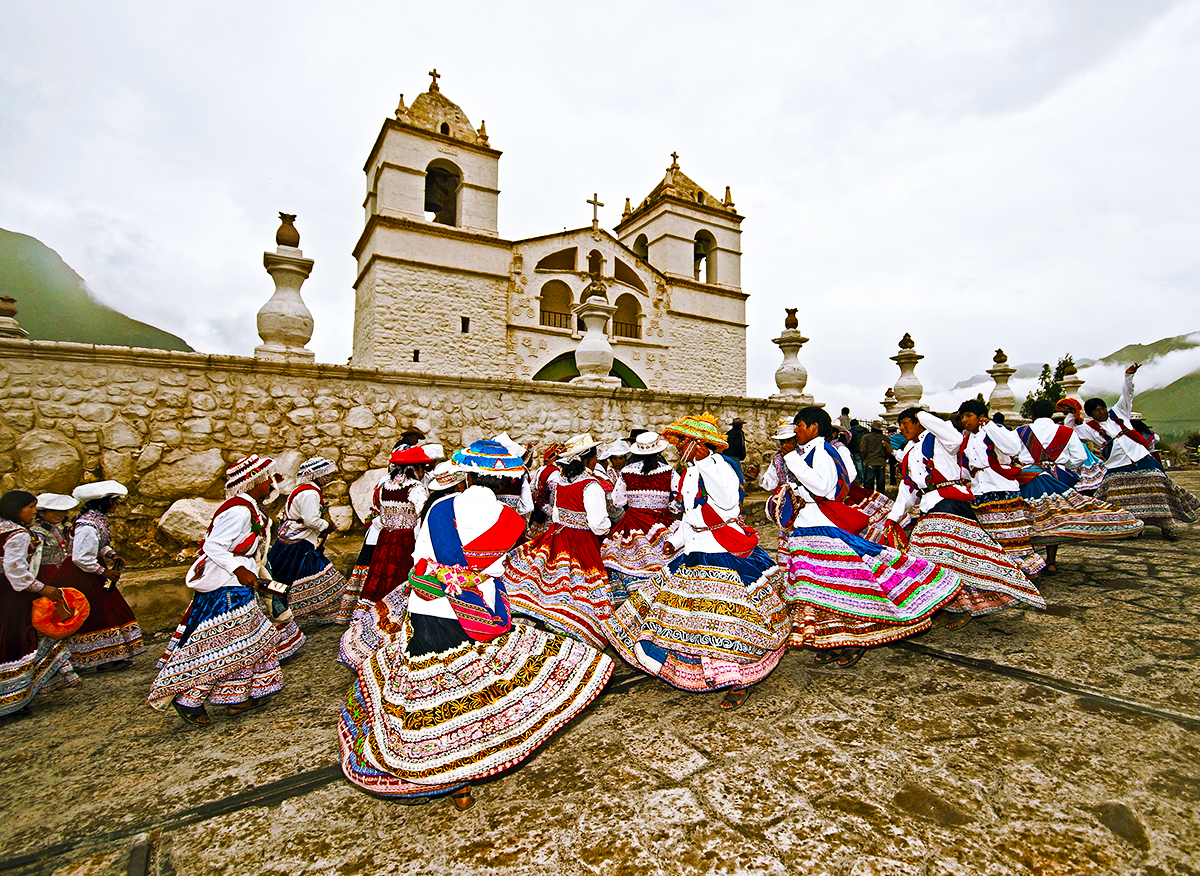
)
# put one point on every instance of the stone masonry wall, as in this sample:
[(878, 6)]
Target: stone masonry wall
[(167, 424)]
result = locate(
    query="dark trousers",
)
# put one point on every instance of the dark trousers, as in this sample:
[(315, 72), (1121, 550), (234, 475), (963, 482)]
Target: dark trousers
[(874, 478)]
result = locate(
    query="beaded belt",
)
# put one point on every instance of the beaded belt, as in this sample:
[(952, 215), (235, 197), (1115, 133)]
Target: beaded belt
[(402, 517), (571, 519), (649, 503)]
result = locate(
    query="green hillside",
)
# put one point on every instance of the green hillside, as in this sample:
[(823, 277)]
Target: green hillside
[(53, 304), (1173, 410), (1141, 352)]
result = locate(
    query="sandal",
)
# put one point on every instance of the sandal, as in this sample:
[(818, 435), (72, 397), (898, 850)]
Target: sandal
[(849, 657), (827, 655), (462, 799), (734, 697), (197, 717), (236, 709), (957, 621)]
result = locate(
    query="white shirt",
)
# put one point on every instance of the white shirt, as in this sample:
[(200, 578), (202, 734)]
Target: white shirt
[(16, 563), (1125, 451), (946, 444), (817, 479), (1072, 456), (476, 510), (229, 528), (85, 549), (305, 508), (722, 484), (595, 505), (984, 479)]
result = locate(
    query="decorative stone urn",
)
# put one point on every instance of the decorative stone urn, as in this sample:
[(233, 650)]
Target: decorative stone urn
[(1002, 400), (594, 355), (285, 323), (791, 376), (8, 321), (1072, 383), (908, 389)]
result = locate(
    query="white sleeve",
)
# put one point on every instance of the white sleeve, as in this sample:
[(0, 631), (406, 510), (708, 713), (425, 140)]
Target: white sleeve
[(85, 549), (905, 499), (819, 479), (16, 564), (525, 505), (227, 530), (418, 495), (619, 497), (943, 430), (1124, 406), (1076, 454), (1005, 440), (596, 507), (769, 480), (308, 506)]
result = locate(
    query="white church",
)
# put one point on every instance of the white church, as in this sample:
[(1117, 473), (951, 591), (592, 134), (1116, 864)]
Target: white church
[(439, 291)]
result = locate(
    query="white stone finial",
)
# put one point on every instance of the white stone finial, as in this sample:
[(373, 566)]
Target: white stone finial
[(791, 376), (8, 319), (284, 322), (908, 389), (1002, 400), (1072, 382), (594, 356)]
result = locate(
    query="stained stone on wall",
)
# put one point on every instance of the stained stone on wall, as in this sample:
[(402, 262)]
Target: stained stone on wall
[(169, 423)]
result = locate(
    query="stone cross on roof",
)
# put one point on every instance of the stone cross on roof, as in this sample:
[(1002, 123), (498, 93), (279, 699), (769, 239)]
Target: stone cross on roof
[(674, 160), (433, 86), (596, 205)]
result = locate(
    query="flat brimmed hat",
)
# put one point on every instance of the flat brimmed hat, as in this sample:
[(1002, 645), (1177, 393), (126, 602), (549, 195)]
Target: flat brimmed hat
[(411, 456), (99, 490), (246, 474), (620, 447), (878, 424), (702, 428), (647, 444), (446, 475), (56, 502), (314, 468), (489, 457), (785, 431), (576, 446)]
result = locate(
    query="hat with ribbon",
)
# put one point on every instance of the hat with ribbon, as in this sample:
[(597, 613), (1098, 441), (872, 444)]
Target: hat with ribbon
[(445, 476), (647, 444), (576, 446), (785, 431), (246, 474), (489, 457), (314, 468), (702, 428)]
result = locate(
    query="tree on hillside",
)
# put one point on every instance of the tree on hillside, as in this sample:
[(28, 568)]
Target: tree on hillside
[(1049, 384)]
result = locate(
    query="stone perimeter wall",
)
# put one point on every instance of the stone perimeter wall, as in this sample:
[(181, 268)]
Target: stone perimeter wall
[(167, 424)]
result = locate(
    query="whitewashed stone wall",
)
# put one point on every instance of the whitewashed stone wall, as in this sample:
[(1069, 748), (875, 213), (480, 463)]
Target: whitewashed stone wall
[(167, 423)]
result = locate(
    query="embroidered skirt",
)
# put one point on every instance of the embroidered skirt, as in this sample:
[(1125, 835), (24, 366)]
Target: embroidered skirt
[(316, 586), (358, 577), (1060, 514), (1005, 517), (391, 561), (424, 726), (225, 653), (370, 624), (990, 577), (111, 632), (29, 663), (705, 622), (635, 549), (1144, 490), (560, 580), (876, 506)]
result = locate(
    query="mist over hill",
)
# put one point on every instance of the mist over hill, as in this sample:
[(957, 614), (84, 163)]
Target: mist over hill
[(55, 304)]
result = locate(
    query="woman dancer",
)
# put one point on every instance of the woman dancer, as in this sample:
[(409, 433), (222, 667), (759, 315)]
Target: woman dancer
[(711, 619), (636, 547), (397, 505), (455, 692), (560, 579), (110, 638), (29, 664), (50, 526)]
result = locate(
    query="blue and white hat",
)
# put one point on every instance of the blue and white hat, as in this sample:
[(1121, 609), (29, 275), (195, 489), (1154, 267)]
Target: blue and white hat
[(489, 457)]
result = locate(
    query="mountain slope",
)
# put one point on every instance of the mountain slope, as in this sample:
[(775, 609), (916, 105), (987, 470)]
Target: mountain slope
[(1173, 410), (1141, 352), (54, 304)]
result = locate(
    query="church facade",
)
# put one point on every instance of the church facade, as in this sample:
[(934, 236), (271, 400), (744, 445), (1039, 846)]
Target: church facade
[(439, 291)]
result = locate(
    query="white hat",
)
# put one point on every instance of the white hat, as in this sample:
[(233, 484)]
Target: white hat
[(434, 450), (55, 502), (785, 431), (648, 443), (617, 448), (446, 475), (576, 446), (99, 490)]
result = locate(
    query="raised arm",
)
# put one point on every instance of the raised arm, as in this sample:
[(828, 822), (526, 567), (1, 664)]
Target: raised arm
[(943, 430)]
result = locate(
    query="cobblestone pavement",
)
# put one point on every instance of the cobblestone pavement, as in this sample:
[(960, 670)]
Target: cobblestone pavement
[(1059, 742)]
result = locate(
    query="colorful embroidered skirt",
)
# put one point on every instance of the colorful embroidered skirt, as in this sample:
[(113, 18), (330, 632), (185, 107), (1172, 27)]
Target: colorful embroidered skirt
[(876, 506), (423, 726), (358, 577), (560, 580), (371, 623), (1005, 517), (705, 622), (316, 586), (834, 571), (1060, 514), (391, 561), (225, 653), (819, 628), (29, 663), (990, 577), (635, 549), (111, 632), (1145, 491)]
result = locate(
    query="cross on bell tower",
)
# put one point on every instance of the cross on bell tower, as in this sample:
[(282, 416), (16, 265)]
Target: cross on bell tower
[(435, 75), (596, 205)]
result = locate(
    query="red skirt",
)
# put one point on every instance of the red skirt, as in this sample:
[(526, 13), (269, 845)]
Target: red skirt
[(391, 562), (111, 632)]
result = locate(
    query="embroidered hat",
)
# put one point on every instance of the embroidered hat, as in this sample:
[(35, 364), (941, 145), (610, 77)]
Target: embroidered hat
[(551, 451), (785, 431), (314, 468), (489, 457), (648, 443), (511, 446), (56, 502), (411, 456), (616, 448), (576, 446), (99, 490), (246, 474), (701, 428), (445, 476)]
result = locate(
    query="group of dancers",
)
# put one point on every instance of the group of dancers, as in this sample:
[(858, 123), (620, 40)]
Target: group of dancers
[(487, 590)]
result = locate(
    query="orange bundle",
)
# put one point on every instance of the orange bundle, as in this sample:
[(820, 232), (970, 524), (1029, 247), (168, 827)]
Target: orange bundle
[(48, 619)]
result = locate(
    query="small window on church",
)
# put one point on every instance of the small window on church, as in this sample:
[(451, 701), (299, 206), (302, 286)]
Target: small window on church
[(699, 197), (445, 129), (466, 324), (416, 355), (595, 263), (641, 248), (704, 262), (555, 305), (627, 319), (443, 181)]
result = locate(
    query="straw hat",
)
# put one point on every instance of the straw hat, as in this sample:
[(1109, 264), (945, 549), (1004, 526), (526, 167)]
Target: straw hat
[(445, 476), (648, 443), (314, 468), (785, 431), (576, 446), (619, 447), (702, 428)]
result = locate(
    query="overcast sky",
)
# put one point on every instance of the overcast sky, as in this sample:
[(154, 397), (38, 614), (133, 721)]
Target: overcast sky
[(989, 174)]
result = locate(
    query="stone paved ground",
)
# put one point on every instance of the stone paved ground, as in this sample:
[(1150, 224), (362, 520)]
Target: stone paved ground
[(1058, 742)]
